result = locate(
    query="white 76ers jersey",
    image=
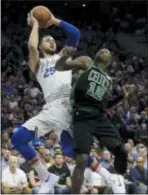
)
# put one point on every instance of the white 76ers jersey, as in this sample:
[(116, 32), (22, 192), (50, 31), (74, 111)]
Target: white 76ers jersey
[(55, 84)]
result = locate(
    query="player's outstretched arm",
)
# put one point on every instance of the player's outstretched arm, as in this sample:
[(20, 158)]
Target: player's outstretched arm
[(127, 91), (66, 63), (72, 32), (33, 43)]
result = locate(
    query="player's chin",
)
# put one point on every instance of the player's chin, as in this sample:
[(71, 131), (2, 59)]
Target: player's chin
[(51, 51)]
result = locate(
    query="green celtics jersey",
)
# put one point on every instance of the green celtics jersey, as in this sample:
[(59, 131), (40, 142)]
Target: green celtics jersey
[(90, 89)]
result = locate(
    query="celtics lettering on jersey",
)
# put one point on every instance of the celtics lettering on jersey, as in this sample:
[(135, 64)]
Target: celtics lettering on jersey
[(98, 84)]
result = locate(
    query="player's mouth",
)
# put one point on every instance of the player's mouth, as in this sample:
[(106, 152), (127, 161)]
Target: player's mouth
[(52, 46)]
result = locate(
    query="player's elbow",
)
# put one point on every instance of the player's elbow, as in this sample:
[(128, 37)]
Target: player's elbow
[(77, 33)]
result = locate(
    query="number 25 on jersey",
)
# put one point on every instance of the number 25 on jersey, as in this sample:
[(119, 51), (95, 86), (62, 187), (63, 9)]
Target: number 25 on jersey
[(48, 71)]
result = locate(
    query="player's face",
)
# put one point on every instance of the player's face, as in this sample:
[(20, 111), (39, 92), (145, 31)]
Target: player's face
[(105, 56), (48, 44)]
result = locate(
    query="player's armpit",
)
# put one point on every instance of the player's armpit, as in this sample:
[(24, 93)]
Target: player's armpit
[(65, 63)]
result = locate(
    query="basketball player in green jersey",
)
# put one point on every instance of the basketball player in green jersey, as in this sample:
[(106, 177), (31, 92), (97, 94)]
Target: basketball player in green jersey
[(89, 99)]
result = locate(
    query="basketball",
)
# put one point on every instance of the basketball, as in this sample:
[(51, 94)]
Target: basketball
[(42, 14)]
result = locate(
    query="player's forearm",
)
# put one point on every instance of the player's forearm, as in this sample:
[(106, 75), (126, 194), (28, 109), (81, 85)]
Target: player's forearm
[(62, 64), (72, 32), (34, 37), (66, 63)]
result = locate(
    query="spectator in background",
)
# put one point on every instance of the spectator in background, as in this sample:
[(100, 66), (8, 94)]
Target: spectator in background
[(59, 168), (94, 153), (143, 121), (133, 110), (49, 146), (14, 179), (142, 152), (5, 140), (131, 142), (129, 150), (39, 146), (70, 164), (14, 152), (139, 146), (132, 123), (54, 137), (93, 183), (107, 159), (57, 149), (4, 158), (134, 150), (34, 181), (46, 158), (130, 161), (138, 175)]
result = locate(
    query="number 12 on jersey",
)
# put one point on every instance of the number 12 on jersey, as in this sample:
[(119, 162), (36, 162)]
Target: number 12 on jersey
[(96, 91)]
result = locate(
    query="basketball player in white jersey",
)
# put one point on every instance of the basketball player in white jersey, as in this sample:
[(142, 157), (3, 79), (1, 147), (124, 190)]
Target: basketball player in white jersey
[(56, 88)]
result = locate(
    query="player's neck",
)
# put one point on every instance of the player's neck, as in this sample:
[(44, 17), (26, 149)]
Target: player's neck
[(47, 55), (103, 67)]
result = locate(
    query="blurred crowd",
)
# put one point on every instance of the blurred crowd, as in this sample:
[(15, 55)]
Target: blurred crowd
[(22, 98)]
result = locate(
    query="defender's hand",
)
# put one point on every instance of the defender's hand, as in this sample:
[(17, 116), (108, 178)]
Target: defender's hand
[(68, 51), (31, 20)]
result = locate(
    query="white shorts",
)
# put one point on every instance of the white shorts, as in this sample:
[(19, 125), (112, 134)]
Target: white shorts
[(56, 115)]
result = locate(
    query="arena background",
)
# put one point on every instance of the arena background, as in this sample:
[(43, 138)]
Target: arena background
[(122, 27)]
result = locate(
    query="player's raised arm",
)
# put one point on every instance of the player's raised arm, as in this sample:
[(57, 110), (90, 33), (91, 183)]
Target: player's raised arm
[(72, 32), (33, 43)]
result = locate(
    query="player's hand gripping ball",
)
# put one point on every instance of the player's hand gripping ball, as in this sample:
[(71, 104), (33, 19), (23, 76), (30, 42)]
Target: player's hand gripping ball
[(42, 14)]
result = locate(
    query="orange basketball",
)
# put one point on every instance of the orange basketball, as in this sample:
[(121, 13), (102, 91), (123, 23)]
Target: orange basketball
[(42, 14)]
